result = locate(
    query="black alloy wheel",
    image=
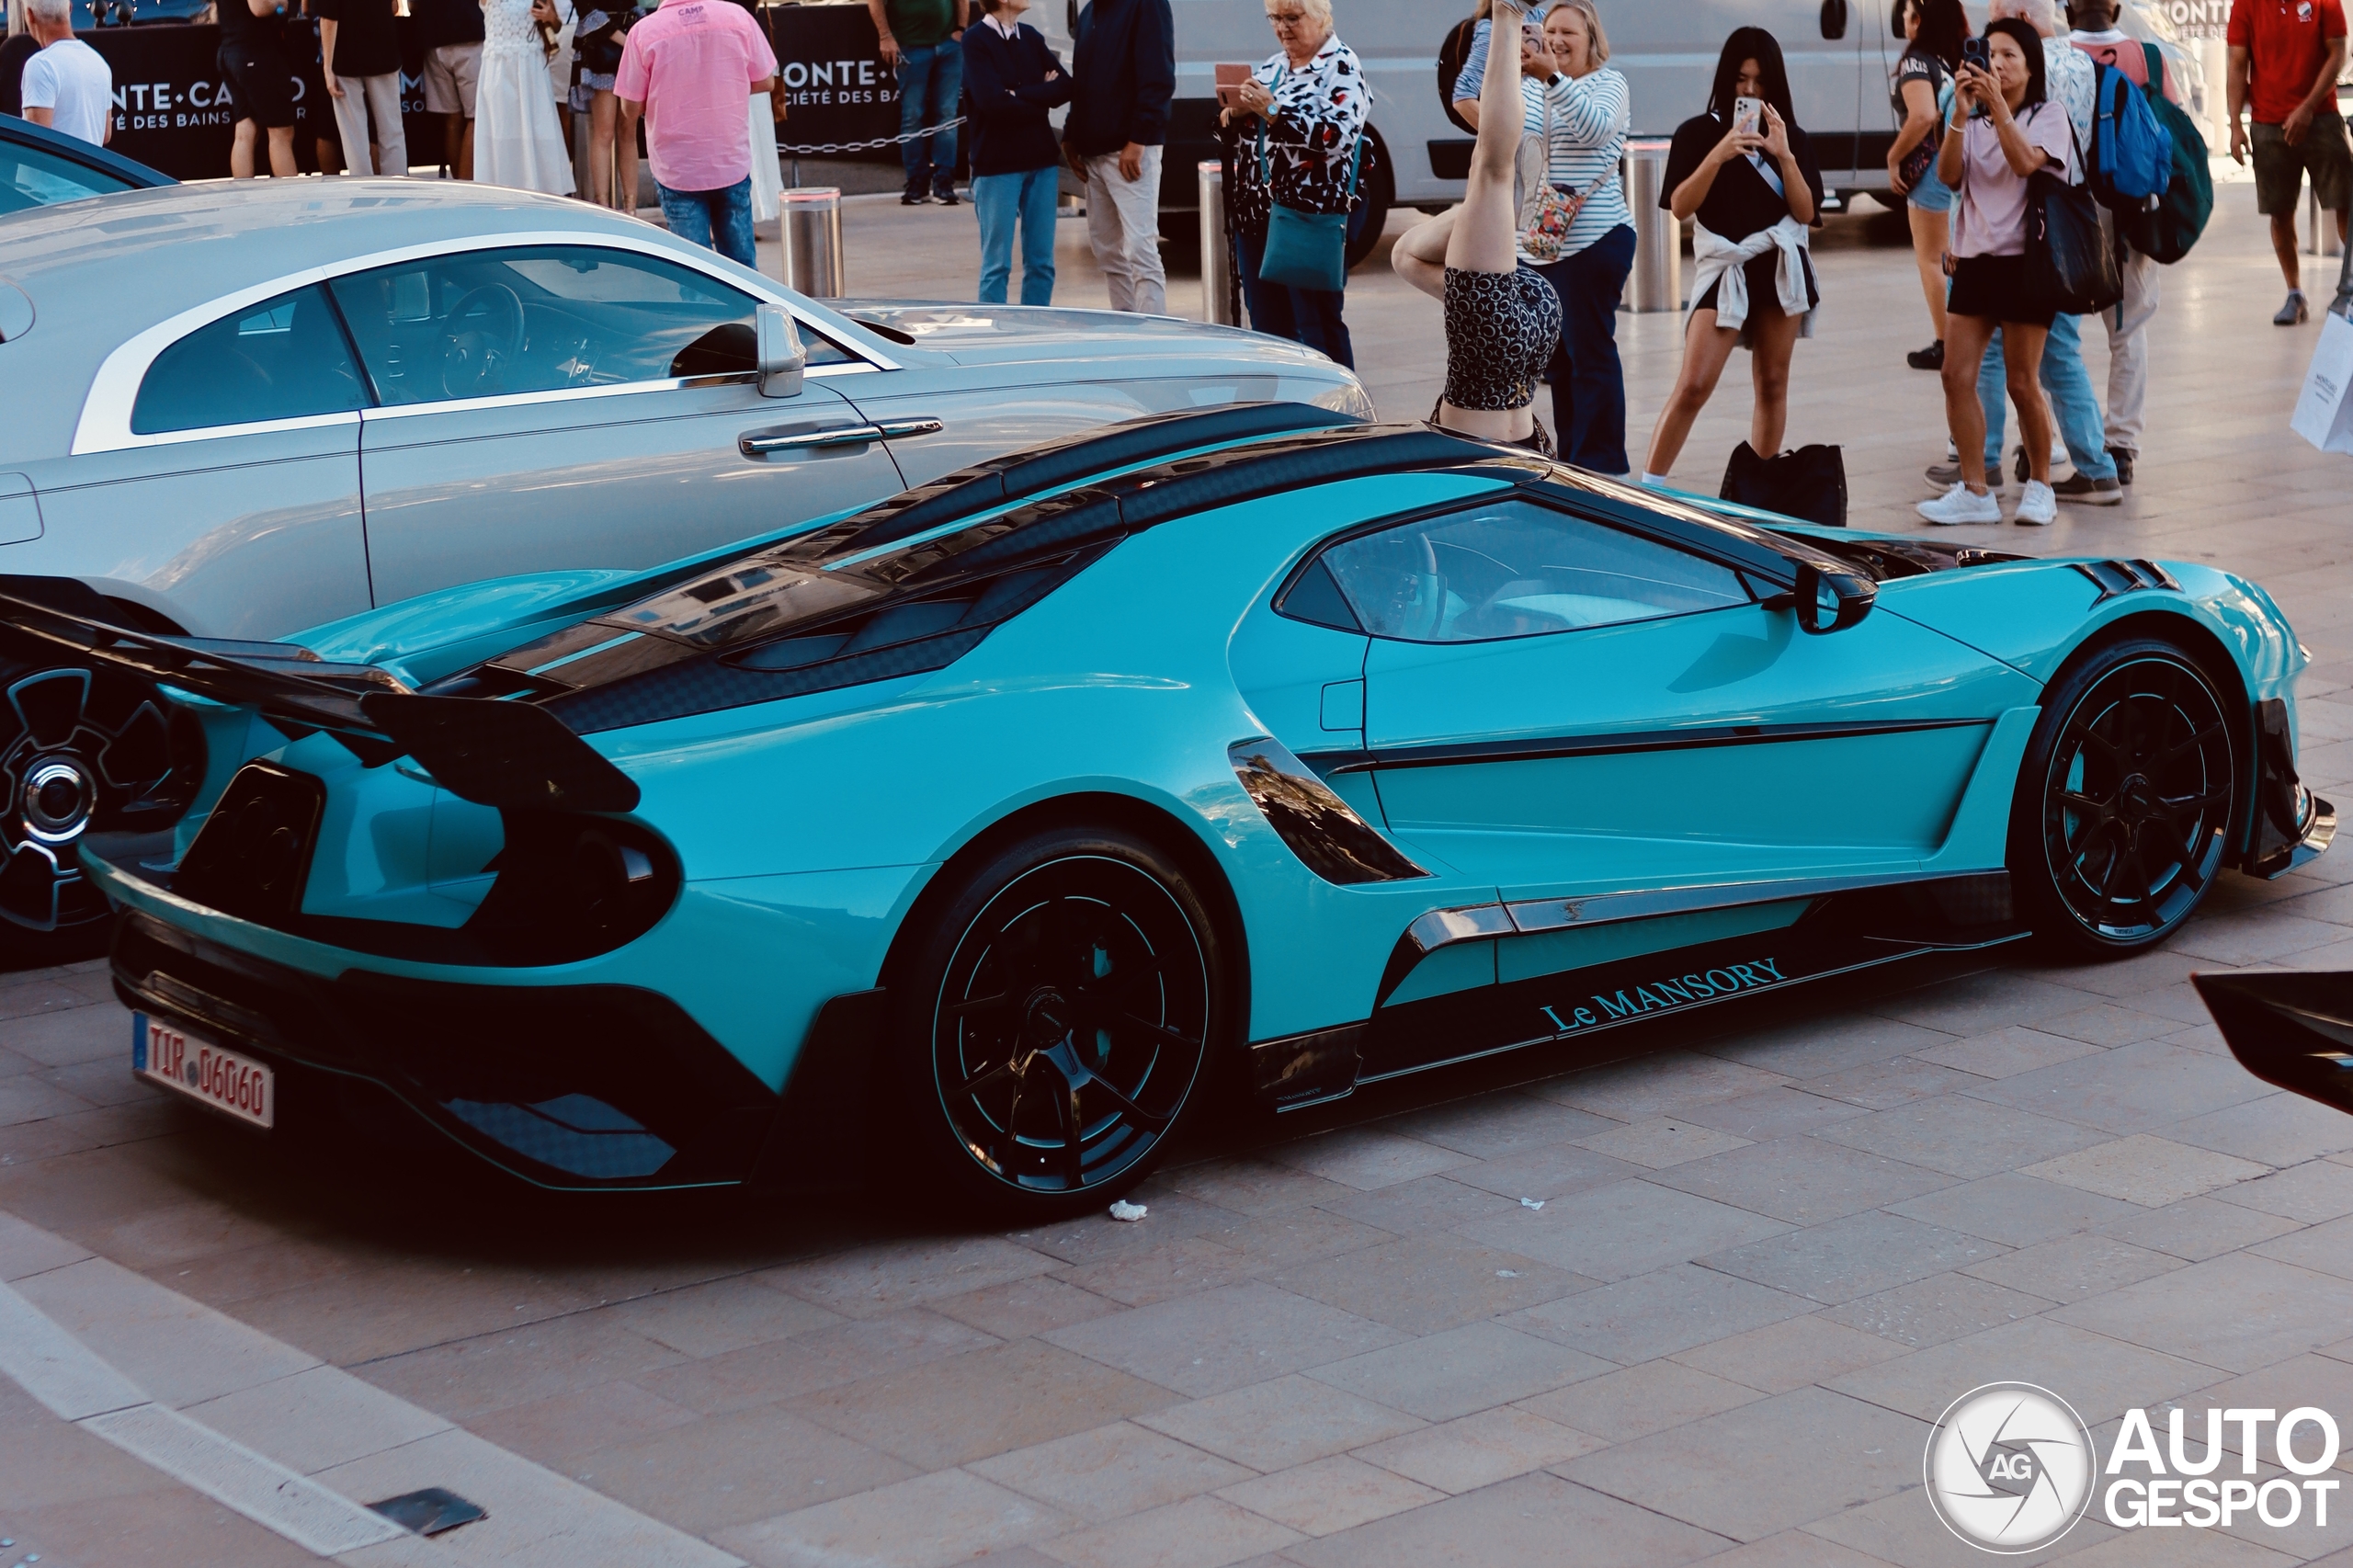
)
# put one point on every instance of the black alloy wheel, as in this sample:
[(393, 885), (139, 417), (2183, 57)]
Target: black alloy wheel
[(2124, 806), (1064, 1004), (79, 750)]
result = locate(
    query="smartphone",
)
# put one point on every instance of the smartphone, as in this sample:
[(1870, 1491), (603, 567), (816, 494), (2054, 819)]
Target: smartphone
[(1748, 116), (1229, 79), (1976, 51), (1531, 34)]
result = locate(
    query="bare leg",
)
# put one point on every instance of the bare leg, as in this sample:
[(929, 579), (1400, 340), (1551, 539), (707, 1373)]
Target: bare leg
[(2022, 353), (625, 167), (1931, 234), (1706, 350), (241, 151), (281, 153), (2283, 245), (1965, 341), (603, 110), (1776, 340), (466, 151)]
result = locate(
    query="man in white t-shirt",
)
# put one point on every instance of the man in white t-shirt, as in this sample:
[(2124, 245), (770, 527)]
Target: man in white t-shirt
[(68, 86)]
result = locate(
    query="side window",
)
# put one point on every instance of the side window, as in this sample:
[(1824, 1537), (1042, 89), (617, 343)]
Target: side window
[(284, 358), (1512, 569), (552, 318), (34, 176)]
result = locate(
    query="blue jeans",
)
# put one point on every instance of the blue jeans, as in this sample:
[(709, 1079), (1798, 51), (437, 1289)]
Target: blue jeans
[(1030, 198), (1588, 383), (931, 83), (720, 219), (2072, 402)]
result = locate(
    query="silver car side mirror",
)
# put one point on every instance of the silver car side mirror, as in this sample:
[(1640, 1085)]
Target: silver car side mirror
[(782, 359)]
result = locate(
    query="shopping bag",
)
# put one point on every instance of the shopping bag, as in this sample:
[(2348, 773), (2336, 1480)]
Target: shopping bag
[(2325, 412), (1809, 484)]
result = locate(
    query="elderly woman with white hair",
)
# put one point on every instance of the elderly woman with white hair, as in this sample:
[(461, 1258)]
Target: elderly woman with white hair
[(1297, 130)]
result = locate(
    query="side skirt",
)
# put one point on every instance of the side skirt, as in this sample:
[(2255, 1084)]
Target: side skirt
[(1838, 934)]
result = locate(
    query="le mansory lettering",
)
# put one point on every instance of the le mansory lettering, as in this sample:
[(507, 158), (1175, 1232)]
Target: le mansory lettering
[(1665, 995)]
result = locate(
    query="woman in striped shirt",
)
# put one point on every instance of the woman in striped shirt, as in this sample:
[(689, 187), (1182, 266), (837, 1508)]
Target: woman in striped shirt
[(1588, 109)]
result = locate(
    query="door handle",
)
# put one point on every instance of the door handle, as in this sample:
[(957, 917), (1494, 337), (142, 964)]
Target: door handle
[(761, 443)]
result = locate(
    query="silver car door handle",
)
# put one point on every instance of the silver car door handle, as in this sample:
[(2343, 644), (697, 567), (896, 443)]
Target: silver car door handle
[(759, 444), (922, 424)]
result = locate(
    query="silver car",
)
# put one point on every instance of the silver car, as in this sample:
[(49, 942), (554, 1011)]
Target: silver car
[(236, 412)]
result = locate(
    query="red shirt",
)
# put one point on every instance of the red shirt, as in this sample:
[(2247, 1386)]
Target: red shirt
[(2287, 43)]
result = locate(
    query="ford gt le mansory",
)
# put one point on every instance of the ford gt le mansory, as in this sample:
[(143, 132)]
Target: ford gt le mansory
[(979, 828)]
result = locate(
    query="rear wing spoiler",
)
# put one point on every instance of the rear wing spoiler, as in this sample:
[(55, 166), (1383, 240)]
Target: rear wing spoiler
[(511, 756)]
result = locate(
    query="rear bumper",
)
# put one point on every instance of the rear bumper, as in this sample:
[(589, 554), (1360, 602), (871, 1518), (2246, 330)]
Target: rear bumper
[(580, 1086)]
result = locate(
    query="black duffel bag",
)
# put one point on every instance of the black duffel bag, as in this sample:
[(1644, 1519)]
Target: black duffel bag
[(1809, 484), (2070, 253)]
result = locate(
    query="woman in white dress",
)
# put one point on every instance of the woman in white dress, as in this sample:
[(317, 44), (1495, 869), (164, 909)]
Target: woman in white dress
[(517, 139)]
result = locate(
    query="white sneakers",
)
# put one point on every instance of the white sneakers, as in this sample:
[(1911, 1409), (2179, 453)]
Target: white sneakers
[(2037, 507), (1961, 505)]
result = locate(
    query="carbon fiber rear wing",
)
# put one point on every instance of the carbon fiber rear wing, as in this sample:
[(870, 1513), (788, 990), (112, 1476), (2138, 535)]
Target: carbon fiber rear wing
[(505, 755)]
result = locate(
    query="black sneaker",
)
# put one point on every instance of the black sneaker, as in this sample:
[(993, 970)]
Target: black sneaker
[(2088, 491), (914, 196), (1932, 358), (948, 196), (2123, 464)]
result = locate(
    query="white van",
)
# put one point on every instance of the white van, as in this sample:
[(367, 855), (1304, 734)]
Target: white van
[(1839, 53)]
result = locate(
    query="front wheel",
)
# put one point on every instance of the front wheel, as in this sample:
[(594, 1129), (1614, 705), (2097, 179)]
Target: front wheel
[(1056, 1021), (2124, 811)]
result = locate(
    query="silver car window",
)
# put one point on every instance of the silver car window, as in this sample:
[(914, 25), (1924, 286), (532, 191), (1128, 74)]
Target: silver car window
[(283, 358), (35, 177), (540, 319), (1515, 568)]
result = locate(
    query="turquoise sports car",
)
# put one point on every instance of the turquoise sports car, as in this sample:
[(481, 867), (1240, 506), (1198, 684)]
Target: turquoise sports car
[(979, 832)]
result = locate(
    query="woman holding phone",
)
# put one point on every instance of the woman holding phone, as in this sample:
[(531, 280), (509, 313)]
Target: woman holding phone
[(2002, 132), (1297, 126), (1745, 173), (1501, 318), (1934, 31)]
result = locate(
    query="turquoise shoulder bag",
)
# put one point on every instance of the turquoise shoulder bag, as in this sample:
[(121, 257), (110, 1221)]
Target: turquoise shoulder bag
[(1306, 250)]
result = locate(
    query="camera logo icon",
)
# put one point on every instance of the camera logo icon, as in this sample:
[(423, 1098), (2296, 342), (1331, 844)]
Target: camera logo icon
[(2010, 1468)]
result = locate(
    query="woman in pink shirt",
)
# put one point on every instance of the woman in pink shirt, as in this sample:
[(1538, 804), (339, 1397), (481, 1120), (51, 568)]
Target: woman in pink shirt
[(2002, 132)]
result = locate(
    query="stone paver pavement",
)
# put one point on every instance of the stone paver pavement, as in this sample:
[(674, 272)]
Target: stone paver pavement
[(1770, 1249)]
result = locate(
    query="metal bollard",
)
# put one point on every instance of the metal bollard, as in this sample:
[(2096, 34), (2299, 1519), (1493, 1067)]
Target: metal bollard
[(1657, 281), (1217, 252), (812, 242)]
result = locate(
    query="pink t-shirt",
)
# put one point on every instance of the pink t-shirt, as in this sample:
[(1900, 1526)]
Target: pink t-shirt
[(1990, 219), (692, 63)]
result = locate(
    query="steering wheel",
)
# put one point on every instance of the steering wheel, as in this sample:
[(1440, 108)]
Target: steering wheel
[(474, 358)]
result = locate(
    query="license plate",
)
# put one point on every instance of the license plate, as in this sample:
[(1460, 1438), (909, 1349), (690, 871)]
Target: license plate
[(194, 1066)]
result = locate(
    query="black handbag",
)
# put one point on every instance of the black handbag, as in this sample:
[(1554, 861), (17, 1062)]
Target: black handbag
[(1809, 484), (2070, 255)]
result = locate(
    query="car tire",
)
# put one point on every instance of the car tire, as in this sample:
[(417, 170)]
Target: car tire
[(2123, 816), (1058, 1014), (79, 750)]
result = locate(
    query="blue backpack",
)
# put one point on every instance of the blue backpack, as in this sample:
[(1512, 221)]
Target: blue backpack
[(2131, 157)]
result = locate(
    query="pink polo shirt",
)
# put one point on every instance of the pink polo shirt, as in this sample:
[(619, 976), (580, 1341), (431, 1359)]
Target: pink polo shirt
[(692, 63)]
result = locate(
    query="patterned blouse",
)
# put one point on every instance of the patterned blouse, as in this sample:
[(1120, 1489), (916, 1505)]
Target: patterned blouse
[(1320, 112)]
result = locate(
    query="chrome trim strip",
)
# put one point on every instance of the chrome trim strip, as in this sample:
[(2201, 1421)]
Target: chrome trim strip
[(225, 432), (1478, 922), (105, 423), (833, 436)]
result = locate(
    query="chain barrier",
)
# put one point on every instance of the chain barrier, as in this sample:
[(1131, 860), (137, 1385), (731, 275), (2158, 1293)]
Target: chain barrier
[(822, 148)]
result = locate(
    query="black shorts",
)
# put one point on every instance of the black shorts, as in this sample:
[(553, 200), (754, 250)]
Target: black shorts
[(1994, 287), (261, 83)]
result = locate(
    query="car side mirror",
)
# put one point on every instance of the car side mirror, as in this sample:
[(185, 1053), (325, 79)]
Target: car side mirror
[(1824, 602), (782, 359)]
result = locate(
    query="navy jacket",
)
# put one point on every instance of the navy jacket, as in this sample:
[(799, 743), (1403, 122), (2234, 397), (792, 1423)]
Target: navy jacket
[(1005, 79), (1125, 61)]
